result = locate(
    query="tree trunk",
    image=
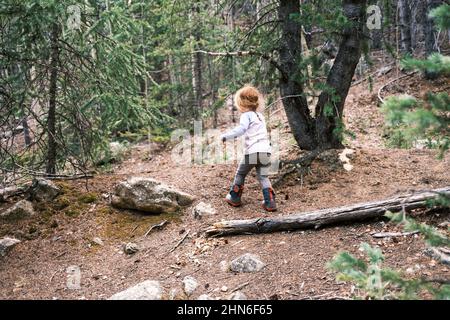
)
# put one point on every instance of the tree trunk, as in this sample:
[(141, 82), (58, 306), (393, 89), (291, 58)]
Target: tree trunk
[(376, 35), (416, 21), (197, 67), (330, 107), (324, 131), (307, 30), (51, 120), (431, 43), (197, 83), (26, 132), (291, 87), (319, 218), (405, 26)]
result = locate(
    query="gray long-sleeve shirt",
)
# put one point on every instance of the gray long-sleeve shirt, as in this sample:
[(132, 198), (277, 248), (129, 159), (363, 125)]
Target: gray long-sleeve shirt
[(253, 127)]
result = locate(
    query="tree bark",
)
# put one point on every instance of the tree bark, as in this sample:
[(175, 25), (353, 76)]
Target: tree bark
[(431, 43), (416, 21), (291, 87), (405, 26), (323, 131), (51, 120), (197, 82), (325, 217), (26, 132), (330, 107), (197, 67)]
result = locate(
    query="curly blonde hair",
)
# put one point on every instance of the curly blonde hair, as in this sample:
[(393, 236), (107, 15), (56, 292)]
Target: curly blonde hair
[(248, 98)]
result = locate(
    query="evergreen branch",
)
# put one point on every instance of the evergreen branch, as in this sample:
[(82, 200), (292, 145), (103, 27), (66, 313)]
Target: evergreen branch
[(244, 53)]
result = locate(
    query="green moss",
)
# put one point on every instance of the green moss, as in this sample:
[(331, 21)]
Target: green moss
[(89, 197), (123, 225), (73, 211), (61, 203), (105, 210), (65, 187)]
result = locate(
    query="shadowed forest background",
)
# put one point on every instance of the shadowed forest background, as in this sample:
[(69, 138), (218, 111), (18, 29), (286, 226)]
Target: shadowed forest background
[(91, 93)]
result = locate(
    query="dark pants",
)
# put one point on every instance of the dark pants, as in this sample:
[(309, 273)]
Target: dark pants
[(260, 161)]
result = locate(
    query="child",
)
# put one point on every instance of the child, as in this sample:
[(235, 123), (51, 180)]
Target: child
[(257, 148)]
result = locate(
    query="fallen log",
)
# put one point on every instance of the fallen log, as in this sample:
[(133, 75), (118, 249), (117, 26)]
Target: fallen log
[(324, 217)]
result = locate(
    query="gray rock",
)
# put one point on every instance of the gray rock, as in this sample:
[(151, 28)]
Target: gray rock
[(43, 190), (190, 284), (6, 244), (130, 248), (238, 295), (247, 263), (98, 241), (203, 209), (147, 290), (20, 210), (205, 297), (149, 195)]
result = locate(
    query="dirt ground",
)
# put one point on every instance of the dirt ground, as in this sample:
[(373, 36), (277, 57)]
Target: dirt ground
[(62, 233)]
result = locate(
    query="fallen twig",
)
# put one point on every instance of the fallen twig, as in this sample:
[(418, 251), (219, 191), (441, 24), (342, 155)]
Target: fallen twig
[(240, 287), (180, 242), (61, 254), (236, 243), (437, 280), (175, 267), (325, 295), (156, 226), (134, 229), (380, 98), (53, 275), (393, 234), (378, 73)]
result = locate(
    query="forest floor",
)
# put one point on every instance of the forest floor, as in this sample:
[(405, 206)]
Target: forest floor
[(62, 235)]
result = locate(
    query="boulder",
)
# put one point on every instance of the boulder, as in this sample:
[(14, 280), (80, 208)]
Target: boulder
[(6, 244), (20, 210), (149, 195), (43, 190), (147, 290), (247, 263)]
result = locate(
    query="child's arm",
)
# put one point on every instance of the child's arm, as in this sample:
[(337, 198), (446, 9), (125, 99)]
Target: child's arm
[(238, 131)]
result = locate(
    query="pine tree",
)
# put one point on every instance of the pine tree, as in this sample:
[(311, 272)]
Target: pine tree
[(410, 119)]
